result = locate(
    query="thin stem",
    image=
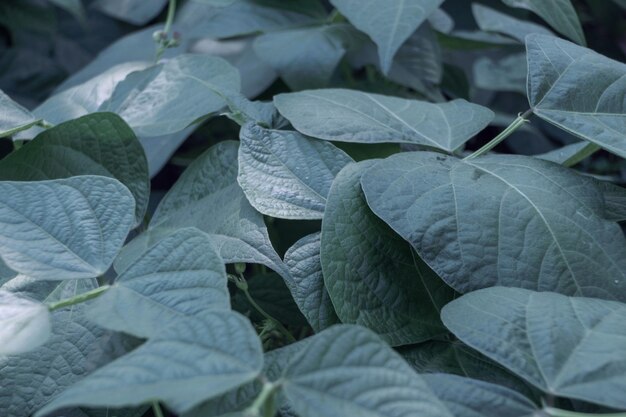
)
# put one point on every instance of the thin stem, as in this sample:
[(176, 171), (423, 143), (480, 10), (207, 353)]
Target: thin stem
[(278, 324), (169, 20), (519, 121), (80, 298), (156, 409), (258, 407), (557, 412), (164, 41)]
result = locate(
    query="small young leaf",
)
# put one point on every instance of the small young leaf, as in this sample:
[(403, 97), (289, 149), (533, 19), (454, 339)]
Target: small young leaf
[(372, 275), (24, 324), (285, 174), (502, 220), (578, 90), (354, 116), (64, 229), (14, 117), (188, 362), (566, 346), (180, 276)]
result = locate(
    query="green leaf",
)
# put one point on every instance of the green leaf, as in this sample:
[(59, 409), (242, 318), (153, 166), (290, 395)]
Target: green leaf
[(74, 7), (569, 155), (180, 276), (285, 174), (97, 144), (465, 397), (388, 22), (502, 220), (136, 12), (303, 261), (188, 362), (560, 14), (349, 371), (565, 346), (64, 229), (75, 348), (506, 74), (491, 20), (578, 90), (372, 275), (14, 117), (168, 97), (354, 116), (615, 201), (307, 57), (24, 324)]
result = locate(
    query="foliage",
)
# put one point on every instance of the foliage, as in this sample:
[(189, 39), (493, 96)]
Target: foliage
[(312, 208)]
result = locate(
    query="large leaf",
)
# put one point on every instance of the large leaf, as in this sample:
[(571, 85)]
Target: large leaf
[(188, 362), (168, 97), (307, 57), (566, 346), (502, 220), (303, 261), (75, 349), (24, 324), (372, 275), (491, 20), (180, 276), (349, 371), (388, 22), (560, 14), (97, 144), (64, 229), (354, 116), (137, 12), (285, 174), (506, 74), (578, 90), (13, 117)]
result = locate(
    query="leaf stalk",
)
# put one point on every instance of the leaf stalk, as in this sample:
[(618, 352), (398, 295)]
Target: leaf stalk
[(80, 298), (519, 121)]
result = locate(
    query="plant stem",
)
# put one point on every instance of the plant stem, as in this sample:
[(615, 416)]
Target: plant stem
[(80, 298), (156, 409), (259, 407), (169, 20), (519, 121), (557, 412)]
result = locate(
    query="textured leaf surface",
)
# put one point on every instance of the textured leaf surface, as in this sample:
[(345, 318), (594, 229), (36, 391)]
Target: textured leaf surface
[(372, 275), (64, 229), (502, 220), (354, 116), (560, 14), (180, 276), (491, 20), (24, 324), (191, 361), (13, 117), (566, 346), (349, 371), (168, 97), (388, 22), (303, 261), (97, 144), (578, 90), (285, 174)]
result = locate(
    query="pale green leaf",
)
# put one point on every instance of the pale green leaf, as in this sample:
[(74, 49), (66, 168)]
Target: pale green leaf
[(136, 12), (570, 155), (491, 20), (285, 174), (191, 361), (560, 14), (566, 346), (96, 144), (13, 117), (372, 275), (24, 324), (502, 220), (388, 22), (354, 116), (180, 276), (578, 90), (506, 74), (64, 229), (303, 261)]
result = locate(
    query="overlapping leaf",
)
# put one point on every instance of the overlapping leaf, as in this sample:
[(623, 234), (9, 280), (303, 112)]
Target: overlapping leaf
[(24, 324), (354, 116), (491, 20), (566, 346), (578, 90), (64, 229), (13, 117), (502, 220), (285, 174)]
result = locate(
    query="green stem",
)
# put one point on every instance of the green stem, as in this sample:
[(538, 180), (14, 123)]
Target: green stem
[(169, 20), (260, 406), (80, 298), (156, 409), (519, 121), (557, 412)]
